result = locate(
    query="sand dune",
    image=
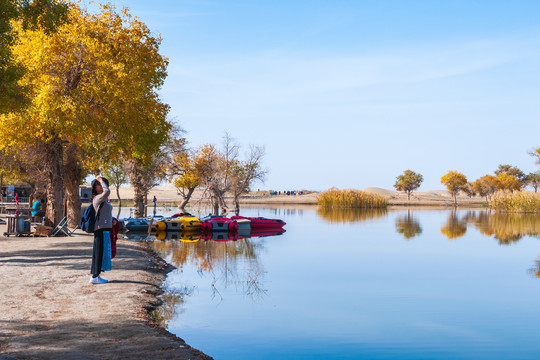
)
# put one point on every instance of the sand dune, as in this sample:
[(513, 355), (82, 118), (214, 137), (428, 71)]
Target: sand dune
[(380, 191)]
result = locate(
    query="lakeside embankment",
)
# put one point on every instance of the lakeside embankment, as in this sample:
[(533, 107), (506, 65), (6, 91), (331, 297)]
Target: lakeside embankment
[(51, 311), (167, 195)]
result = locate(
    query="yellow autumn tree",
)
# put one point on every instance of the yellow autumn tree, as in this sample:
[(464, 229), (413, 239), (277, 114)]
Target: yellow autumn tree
[(190, 169), (94, 98), (508, 182), (454, 182)]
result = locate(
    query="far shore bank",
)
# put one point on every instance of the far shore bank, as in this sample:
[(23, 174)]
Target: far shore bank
[(50, 311), (167, 196)]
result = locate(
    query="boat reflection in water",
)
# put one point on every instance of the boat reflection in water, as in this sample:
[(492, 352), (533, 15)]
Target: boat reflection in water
[(226, 257), (178, 235), (193, 236), (223, 258)]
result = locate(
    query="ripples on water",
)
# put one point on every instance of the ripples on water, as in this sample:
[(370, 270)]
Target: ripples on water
[(355, 284)]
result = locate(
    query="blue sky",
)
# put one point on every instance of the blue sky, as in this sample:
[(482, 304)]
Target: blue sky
[(352, 93)]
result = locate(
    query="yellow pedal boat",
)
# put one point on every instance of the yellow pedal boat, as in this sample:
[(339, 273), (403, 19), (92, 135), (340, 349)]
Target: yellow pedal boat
[(184, 223)]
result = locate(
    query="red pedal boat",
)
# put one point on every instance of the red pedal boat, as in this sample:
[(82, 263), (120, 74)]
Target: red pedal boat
[(260, 222), (219, 224)]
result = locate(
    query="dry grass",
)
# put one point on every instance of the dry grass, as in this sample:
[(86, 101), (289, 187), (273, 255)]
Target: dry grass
[(336, 198), (520, 201)]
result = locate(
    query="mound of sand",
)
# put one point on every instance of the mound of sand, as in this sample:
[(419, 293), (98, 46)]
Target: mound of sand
[(380, 191), (437, 193)]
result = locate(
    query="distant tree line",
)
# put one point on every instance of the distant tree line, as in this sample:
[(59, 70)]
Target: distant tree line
[(505, 178)]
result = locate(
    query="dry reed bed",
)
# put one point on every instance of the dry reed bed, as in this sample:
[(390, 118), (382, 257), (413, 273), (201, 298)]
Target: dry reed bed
[(520, 201), (336, 198)]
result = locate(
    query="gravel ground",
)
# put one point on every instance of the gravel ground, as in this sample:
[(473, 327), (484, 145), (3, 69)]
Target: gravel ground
[(49, 310)]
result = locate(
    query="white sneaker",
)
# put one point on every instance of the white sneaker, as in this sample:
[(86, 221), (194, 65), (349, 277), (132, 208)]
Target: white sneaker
[(98, 280)]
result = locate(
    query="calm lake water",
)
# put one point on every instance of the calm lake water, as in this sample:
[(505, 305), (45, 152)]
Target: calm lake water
[(397, 284)]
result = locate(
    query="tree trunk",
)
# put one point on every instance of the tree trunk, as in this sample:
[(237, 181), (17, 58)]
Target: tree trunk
[(139, 201), (145, 203), (32, 197), (138, 186), (72, 180), (119, 201), (215, 205), (236, 205), (55, 180), (408, 195), (185, 199), (223, 204)]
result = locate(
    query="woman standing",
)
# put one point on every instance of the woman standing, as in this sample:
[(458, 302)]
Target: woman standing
[(103, 226)]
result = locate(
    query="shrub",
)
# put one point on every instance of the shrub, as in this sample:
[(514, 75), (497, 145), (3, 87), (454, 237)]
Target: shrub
[(336, 198)]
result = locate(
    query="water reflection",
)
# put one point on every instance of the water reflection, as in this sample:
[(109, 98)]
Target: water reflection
[(345, 216), (455, 227), (211, 303), (227, 262), (408, 226), (506, 228), (172, 305)]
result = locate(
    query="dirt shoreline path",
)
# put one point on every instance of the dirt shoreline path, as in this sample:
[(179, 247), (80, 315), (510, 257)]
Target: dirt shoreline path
[(49, 310)]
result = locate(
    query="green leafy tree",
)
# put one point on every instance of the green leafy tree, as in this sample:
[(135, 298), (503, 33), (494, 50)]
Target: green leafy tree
[(454, 182), (533, 180), (44, 14), (511, 170), (408, 182)]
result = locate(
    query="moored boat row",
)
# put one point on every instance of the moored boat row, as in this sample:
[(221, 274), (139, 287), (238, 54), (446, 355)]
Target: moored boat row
[(188, 228), (186, 222)]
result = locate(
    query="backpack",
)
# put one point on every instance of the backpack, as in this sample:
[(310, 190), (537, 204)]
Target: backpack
[(88, 220)]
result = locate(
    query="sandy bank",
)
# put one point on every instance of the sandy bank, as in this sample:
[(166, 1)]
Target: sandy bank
[(168, 194), (50, 311)]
